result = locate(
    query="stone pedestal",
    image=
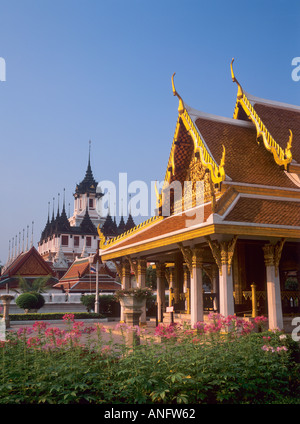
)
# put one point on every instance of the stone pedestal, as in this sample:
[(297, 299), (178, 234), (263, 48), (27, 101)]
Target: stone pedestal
[(132, 319), (6, 299), (132, 307)]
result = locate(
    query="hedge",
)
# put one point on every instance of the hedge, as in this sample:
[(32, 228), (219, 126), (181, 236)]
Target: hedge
[(52, 316)]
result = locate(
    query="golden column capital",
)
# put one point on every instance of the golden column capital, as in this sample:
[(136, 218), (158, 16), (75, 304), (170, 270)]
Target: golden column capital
[(222, 252), (160, 270), (197, 257), (272, 254), (118, 266), (187, 255), (126, 268), (133, 265), (141, 266)]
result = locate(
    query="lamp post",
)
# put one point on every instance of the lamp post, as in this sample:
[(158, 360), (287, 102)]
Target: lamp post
[(96, 259), (97, 288)]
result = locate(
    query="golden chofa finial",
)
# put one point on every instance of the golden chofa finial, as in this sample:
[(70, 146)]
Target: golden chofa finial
[(240, 90), (181, 106), (288, 153), (102, 238)]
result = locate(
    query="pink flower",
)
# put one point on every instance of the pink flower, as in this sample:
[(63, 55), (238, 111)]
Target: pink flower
[(106, 350), (200, 327), (268, 348), (261, 319), (99, 326), (167, 331), (89, 330), (23, 331), (34, 342), (69, 317), (77, 326), (54, 332), (281, 348), (39, 325)]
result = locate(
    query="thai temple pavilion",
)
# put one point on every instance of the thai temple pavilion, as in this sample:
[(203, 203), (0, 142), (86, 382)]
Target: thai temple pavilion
[(236, 218)]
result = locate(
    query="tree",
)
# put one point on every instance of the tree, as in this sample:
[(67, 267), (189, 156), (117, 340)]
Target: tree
[(38, 285), (151, 277)]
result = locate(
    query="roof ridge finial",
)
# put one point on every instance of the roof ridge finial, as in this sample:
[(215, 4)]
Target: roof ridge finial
[(181, 105), (58, 195), (90, 145), (64, 200), (240, 90), (53, 199), (27, 238), (31, 244)]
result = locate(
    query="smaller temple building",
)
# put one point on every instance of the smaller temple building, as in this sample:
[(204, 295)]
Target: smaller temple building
[(29, 265), (81, 277)]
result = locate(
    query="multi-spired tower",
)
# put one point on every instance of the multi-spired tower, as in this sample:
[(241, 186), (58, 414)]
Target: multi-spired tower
[(65, 238)]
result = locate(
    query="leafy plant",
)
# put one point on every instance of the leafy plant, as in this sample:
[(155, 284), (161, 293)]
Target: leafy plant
[(138, 292), (198, 366)]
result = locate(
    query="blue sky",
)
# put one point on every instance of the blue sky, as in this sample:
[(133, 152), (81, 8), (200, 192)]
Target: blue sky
[(101, 70)]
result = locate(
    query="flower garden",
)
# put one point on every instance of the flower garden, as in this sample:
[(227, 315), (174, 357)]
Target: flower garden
[(219, 361)]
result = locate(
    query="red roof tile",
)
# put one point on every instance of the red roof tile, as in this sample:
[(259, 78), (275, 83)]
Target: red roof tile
[(164, 227), (265, 211), (245, 160), (278, 121)]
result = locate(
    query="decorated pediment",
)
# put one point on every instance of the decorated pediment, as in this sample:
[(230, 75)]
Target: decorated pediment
[(33, 267)]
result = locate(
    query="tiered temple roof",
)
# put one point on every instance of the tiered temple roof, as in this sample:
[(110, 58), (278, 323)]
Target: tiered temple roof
[(250, 166)]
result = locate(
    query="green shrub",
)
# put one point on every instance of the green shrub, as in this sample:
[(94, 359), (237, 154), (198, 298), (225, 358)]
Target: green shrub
[(40, 300), (28, 301), (88, 300)]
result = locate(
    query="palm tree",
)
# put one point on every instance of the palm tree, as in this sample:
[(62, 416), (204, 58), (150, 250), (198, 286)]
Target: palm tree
[(38, 285)]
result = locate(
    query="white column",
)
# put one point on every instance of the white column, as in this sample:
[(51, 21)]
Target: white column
[(160, 272), (272, 255), (226, 290), (141, 282), (215, 286), (223, 254), (196, 290)]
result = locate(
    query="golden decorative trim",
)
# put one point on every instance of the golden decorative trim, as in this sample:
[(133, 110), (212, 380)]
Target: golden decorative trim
[(105, 244), (200, 149), (282, 157), (230, 229)]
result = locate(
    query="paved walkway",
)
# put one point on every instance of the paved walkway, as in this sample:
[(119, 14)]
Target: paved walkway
[(113, 331)]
